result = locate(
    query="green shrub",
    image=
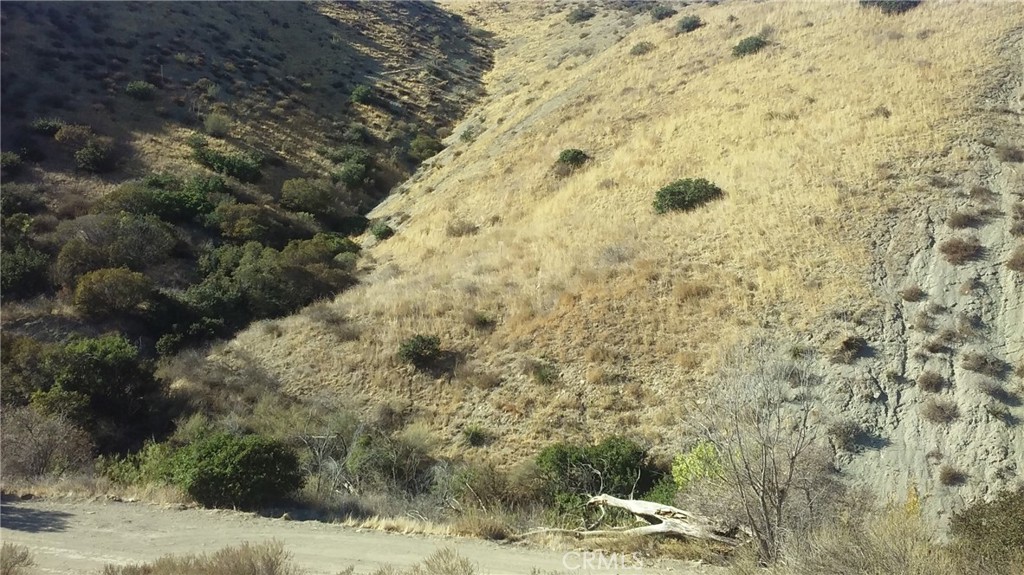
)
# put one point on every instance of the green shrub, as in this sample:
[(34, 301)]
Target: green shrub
[(617, 466), (123, 240), (362, 94), (73, 134), (153, 464), (424, 146), (381, 231), (685, 194), (701, 462), (217, 125), (420, 350), (402, 461), (21, 199), (10, 163), (248, 222), (891, 6), (140, 90), (352, 173), (47, 126), (242, 472), (245, 167), (109, 292), (542, 372), (348, 153), (573, 158), (22, 271), (308, 195), (476, 436), (119, 386), (641, 48), (580, 14), (688, 24), (664, 491), (660, 12), (97, 156), (749, 45), (169, 201)]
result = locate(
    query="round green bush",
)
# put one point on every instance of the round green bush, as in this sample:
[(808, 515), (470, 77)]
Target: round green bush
[(573, 157), (420, 350), (749, 45), (381, 231), (244, 472), (689, 24), (641, 48), (891, 6), (108, 292), (362, 94), (140, 90), (660, 12), (580, 14), (685, 194)]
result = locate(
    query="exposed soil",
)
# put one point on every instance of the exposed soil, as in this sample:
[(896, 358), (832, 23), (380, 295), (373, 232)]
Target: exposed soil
[(83, 537)]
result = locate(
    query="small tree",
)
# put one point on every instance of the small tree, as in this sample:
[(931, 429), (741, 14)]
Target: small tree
[(773, 469), (36, 444), (687, 194)]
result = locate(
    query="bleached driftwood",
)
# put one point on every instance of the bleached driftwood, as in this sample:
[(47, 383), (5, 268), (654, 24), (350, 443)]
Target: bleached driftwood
[(663, 520)]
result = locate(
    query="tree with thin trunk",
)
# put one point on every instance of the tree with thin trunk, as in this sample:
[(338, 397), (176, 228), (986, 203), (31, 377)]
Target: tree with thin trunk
[(774, 474)]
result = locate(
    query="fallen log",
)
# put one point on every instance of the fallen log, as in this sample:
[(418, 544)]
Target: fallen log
[(662, 520)]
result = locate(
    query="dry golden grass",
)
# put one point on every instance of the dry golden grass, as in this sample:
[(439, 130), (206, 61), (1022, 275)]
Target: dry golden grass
[(791, 134)]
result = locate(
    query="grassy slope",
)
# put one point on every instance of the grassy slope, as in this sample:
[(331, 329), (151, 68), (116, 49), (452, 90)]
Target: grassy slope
[(631, 307)]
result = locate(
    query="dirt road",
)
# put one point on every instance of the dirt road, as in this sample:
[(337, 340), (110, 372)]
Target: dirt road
[(82, 537)]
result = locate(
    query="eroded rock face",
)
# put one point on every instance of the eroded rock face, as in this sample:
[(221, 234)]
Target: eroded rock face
[(953, 435)]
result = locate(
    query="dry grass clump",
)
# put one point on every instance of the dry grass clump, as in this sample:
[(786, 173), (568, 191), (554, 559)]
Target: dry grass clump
[(938, 410), (951, 476), (961, 250), (15, 560), (478, 378), (984, 364), (912, 293), (961, 220), (897, 542), (483, 525), (1008, 153), (268, 558), (1016, 261), (459, 227), (1017, 220), (931, 381), (849, 349)]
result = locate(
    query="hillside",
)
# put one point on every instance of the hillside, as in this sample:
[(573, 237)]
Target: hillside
[(572, 310), (197, 114)]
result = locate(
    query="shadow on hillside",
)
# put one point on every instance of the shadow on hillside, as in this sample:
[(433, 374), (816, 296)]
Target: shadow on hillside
[(17, 518)]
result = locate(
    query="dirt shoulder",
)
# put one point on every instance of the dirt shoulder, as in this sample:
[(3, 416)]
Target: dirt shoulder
[(81, 537)]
